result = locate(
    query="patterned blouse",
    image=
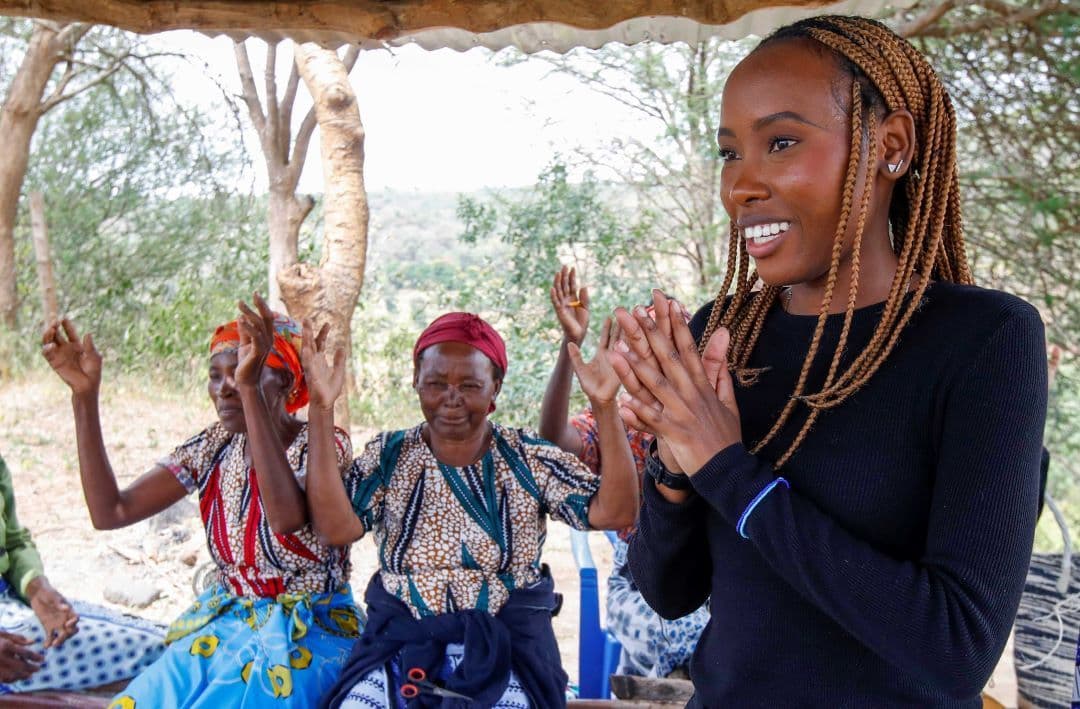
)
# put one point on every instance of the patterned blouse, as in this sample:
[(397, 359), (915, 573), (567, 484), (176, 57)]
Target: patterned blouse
[(451, 539), (585, 424), (252, 559)]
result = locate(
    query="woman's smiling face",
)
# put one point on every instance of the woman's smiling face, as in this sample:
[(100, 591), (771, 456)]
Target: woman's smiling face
[(785, 138), (456, 386)]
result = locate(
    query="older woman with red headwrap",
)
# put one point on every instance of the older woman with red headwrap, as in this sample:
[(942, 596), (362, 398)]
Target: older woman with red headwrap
[(461, 605), (282, 596)]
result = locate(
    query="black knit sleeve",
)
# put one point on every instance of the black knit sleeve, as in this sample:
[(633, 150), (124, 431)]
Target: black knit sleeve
[(945, 616), (669, 559)]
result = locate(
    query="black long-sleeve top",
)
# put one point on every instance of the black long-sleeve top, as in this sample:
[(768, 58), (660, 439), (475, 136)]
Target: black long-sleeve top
[(890, 572)]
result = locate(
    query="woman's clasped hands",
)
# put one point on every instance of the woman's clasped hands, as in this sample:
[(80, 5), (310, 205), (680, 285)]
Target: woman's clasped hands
[(686, 399)]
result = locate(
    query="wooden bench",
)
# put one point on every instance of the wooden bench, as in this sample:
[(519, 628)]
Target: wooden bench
[(97, 698), (642, 693)]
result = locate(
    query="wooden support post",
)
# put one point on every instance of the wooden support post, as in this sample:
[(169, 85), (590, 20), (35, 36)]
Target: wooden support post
[(43, 255)]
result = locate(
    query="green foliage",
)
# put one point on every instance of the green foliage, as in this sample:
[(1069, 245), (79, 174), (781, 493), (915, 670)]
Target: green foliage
[(669, 181), (558, 222), (385, 325), (1015, 88), (511, 244), (151, 247)]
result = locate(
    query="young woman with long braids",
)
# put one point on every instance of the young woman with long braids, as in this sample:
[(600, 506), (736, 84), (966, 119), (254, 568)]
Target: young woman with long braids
[(848, 458)]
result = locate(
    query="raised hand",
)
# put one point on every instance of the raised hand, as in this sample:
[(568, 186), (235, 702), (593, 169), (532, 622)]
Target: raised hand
[(57, 617), (76, 361), (17, 661), (689, 403), (598, 379), (632, 345), (256, 330), (324, 381), (571, 305)]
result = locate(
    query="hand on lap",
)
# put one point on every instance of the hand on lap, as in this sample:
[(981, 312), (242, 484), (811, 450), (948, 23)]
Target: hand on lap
[(17, 661), (57, 617)]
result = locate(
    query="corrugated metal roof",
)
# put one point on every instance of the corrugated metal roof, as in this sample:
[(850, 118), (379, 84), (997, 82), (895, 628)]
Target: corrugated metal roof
[(530, 25), (540, 36)]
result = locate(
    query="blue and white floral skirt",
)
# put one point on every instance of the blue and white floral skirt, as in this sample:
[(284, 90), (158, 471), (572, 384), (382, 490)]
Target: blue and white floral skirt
[(239, 651), (651, 646)]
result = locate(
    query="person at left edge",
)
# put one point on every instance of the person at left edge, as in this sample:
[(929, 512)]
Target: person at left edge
[(48, 642)]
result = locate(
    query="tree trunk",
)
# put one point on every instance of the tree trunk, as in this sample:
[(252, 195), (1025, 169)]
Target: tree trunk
[(40, 227), (287, 213), (18, 119), (328, 293), (284, 159)]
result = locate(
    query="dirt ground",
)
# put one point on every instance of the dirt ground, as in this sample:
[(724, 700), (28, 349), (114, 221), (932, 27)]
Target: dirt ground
[(141, 424)]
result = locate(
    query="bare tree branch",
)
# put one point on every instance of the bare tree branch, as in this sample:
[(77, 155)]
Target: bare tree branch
[(272, 113), (58, 97), (918, 25), (287, 102), (351, 55), (248, 91), (301, 143), (70, 35), (1003, 16)]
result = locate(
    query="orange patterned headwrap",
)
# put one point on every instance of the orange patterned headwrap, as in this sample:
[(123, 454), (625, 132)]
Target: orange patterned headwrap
[(284, 355)]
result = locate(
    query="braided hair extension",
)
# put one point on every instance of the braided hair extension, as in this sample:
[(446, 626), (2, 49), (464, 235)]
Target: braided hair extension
[(887, 73)]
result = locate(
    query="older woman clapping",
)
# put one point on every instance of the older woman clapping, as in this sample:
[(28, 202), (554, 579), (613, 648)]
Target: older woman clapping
[(278, 623), (458, 505)]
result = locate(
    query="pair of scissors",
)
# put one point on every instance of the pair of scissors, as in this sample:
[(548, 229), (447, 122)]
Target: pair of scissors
[(418, 683)]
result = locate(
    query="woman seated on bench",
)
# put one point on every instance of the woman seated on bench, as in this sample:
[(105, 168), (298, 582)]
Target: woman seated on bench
[(277, 626), (458, 505), (652, 646)]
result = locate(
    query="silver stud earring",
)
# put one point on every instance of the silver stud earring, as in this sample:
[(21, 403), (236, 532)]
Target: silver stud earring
[(894, 167)]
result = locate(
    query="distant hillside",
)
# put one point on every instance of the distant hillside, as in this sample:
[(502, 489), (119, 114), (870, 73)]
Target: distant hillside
[(408, 227)]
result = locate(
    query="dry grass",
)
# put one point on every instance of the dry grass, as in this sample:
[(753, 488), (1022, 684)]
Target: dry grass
[(142, 422)]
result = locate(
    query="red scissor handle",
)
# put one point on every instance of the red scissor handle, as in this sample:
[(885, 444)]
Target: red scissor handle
[(416, 674), (410, 691)]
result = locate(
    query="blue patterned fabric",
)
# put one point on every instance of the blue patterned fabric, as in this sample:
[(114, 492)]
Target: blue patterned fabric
[(518, 643), (109, 646), (241, 651), (651, 645), (372, 691)]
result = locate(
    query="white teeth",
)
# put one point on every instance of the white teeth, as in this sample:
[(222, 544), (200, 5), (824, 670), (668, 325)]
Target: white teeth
[(764, 233)]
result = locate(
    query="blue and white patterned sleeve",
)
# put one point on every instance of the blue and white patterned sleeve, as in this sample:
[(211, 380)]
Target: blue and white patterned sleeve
[(566, 484), (365, 484)]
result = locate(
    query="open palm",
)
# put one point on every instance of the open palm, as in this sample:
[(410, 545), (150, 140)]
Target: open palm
[(76, 361), (597, 377), (256, 331), (324, 381), (571, 305)]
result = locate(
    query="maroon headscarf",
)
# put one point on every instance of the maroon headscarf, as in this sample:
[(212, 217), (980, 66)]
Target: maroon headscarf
[(468, 329)]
